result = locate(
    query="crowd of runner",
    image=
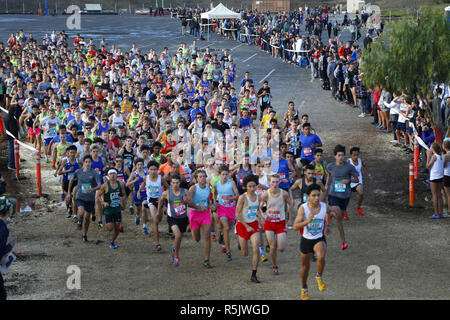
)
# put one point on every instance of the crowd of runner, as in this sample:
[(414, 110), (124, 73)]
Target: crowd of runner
[(181, 137)]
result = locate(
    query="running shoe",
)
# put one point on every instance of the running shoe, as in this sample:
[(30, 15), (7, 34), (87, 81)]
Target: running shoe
[(120, 228), (305, 294), (224, 250), (93, 217), (69, 213), (444, 215), (320, 283), (344, 245), (100, 225), (85, 239), (275, 271), (229, 258), (137, 220), (361, 213), (213, 238), (254, 279), (267, 248), (314, 257), (112, 245), (158, 247), (144, 229), (176, 262), (207, 265), (264, 258), (345, 215), (435, 216), (387, 131)]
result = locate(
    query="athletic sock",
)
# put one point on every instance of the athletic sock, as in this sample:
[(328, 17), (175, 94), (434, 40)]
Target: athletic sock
[(305, 286), (261, 250), (318, 274), (213, 233), (144, 226), (253, 273)]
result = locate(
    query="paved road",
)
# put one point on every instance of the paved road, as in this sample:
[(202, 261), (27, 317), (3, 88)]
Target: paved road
[(411, 251)]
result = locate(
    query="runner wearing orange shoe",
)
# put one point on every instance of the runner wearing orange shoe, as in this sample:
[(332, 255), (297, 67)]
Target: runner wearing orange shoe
[(356, 161), (313, 218)]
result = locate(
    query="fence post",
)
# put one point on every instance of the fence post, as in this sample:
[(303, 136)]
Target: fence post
[(38, 173), (17, 158), (2, 127), (411, 184), (416, 158)]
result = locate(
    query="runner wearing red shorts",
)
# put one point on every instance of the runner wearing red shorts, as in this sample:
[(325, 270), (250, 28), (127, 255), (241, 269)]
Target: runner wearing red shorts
[(248, 224), (226, 193), (278, 202), (200, 217)]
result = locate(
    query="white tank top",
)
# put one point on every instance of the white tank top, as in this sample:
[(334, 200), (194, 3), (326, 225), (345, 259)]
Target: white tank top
[(275, 208), (117, 121), (447, 168), (314, 230), (437, 170), (358, 169), (153, 188), (249, 213)]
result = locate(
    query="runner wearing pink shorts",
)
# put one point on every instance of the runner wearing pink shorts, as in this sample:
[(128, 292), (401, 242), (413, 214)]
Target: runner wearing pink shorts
[(198, 199), (226, 192)]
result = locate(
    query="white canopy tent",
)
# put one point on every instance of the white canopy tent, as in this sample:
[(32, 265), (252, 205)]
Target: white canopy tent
[(219, 12)]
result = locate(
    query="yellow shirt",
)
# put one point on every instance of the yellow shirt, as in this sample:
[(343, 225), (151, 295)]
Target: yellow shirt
[(126, 108), (266, 120)]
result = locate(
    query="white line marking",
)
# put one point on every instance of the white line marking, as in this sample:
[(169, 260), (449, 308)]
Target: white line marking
[(207, 45), (250, 57), (238, 46), (267, 76)]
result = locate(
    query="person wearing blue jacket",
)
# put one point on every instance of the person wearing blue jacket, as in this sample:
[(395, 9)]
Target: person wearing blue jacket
[(5, 247)]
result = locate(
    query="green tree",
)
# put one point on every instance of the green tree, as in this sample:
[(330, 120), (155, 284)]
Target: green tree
[(411, 56)]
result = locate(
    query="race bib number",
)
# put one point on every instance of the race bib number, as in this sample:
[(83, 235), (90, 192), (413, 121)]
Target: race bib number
[(251, 212), (202, 203), (115, 200), (305, 200), (273, 216), (153, 191), (241, 181), (127, 162), (307, 152), (70, 175), (259, 192), (226, 201), (339, 186), (283, 177), (315, 227), (85, 187), (179, 208)]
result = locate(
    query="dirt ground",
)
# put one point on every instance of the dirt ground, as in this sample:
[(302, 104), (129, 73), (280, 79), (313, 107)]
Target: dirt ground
[(410, 250)]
